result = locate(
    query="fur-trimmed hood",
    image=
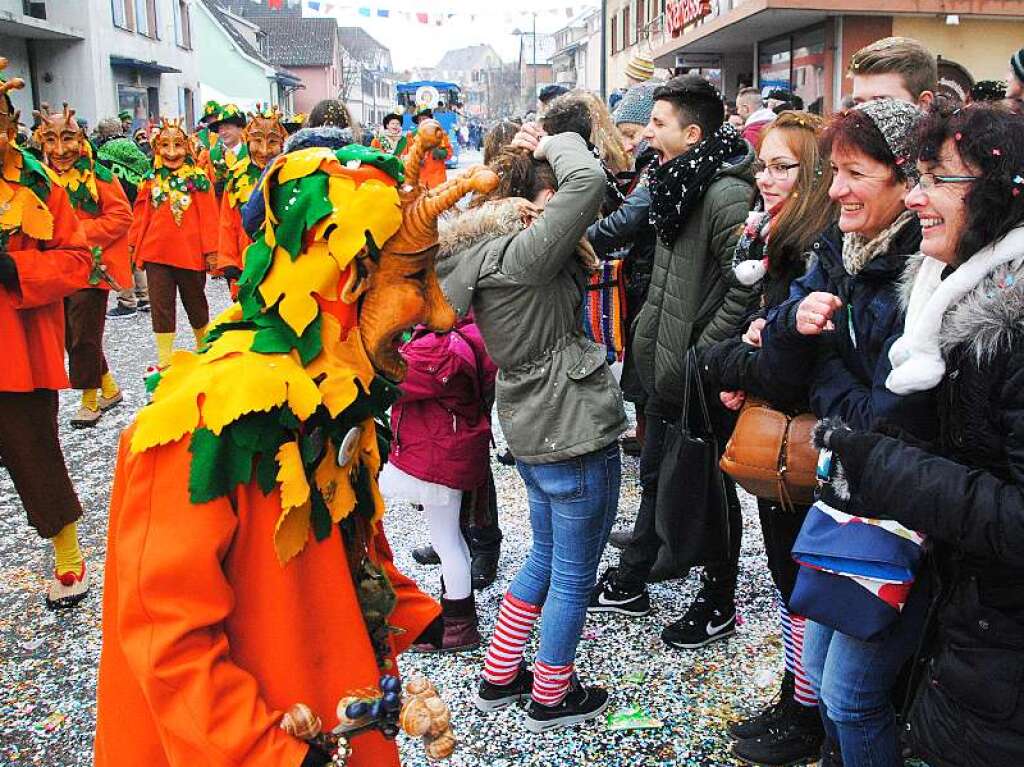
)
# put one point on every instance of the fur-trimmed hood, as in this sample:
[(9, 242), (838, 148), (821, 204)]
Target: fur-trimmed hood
[(459, 231), (989, 318), (329, 136)]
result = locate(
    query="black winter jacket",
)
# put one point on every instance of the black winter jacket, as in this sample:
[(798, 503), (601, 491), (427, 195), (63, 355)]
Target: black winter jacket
[(967, 494)]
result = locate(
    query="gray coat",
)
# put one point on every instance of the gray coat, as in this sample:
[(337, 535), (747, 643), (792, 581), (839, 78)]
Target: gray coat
[(694, 298), (556, 397)]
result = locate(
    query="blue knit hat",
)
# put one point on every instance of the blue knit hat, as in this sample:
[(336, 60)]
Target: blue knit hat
[(1017, 64), (638, 103)]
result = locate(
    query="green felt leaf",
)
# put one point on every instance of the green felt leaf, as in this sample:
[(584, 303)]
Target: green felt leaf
[(266, 472), (33, 175), (103, 173), (258, 257), (275, 336), (218, 465), (385, 161), (365, 506), (320, 516), (258, 432), (307, 195)]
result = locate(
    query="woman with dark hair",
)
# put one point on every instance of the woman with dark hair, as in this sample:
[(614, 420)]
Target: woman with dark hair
[(831, 340), (391, 139), (964, 333), (523, 274), (499, 137), (791, 210)]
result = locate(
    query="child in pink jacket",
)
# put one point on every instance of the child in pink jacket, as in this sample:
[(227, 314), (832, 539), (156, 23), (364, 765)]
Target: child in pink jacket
[(441, 449)]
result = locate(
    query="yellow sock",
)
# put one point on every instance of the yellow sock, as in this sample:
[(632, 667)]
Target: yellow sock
[(89, 400), (200, 334), (66, 552), (164, 348), (109, 386)]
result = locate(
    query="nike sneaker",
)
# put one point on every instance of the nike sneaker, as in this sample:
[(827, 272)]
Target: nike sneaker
[(705, 622), (491, 697), (580, 704), (610, 596)]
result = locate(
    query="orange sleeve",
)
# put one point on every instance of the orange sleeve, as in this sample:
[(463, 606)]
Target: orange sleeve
[(115, 217), (60, 265), (172, 600), (448, 145), (209, 219), (227, 240), (375, 144), (140, 220)]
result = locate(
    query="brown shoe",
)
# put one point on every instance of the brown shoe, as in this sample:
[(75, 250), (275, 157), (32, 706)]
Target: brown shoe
[(107, 403), (86, 418), (460, 628), (68, 590)]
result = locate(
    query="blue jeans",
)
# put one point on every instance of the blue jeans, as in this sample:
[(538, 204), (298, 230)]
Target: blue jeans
[(854, 680), (572, 508)]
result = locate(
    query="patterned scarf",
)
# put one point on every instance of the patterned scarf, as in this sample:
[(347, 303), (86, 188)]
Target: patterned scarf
[(680, 183), (859, 251), (750, 259)]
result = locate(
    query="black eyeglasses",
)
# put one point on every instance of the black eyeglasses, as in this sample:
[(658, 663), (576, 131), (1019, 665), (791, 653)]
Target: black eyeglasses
[(931, 180), (777, 170)]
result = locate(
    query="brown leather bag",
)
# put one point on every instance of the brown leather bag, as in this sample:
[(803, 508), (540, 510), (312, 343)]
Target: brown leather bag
[(770, 454)]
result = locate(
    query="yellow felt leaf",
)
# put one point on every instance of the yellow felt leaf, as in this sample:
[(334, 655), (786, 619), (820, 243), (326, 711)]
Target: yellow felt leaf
[(302, 163), (232, 314), (369, 454), (12, 165), (339, 366), (335, 485), (372, 206), (291, 534), (36, 219), (292, 476), (295, 282)]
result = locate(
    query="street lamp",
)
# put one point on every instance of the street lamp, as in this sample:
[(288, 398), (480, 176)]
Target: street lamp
[(516, 31)]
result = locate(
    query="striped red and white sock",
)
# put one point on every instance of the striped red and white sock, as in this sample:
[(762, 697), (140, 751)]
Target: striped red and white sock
[(550, 683), (793, 641), (515, 622)]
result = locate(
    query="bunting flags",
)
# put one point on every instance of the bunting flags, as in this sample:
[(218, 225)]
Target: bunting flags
[(435, 17)]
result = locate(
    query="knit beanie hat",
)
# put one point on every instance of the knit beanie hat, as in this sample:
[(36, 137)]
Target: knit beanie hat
[(1017, 64), (896, 121), (636, 106), (640, 68), (125, 159)]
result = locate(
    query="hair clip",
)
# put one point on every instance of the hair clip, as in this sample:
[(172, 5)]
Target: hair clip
[(957, 136), (997, 152)]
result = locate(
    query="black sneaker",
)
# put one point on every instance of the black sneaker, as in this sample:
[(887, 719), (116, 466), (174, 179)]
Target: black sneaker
[(704, 623), (120, 311), (143, 305), (579, 705), (484, 569), (426, 555), (491, 697), (610, 597), (795, 739), (620, 539), (776, 711)]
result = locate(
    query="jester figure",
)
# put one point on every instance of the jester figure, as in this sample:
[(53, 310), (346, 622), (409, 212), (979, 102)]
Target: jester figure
[(229, 147), (433, 172), (43, 259), (174, 235), (247, 569), (206, 137), (102, 207), (264, 137)]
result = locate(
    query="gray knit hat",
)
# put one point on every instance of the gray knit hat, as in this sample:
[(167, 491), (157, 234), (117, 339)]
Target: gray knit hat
[(897, 121), (638, 103), (1017, 64)]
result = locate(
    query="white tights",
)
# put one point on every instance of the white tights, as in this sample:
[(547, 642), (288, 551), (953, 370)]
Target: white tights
[(446, 537)]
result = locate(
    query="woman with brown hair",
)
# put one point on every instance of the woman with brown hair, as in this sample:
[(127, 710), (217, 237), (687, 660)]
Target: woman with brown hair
[(792, 208)]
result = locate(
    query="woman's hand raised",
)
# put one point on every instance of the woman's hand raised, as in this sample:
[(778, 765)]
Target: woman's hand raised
[(529, 137), (814, 315)]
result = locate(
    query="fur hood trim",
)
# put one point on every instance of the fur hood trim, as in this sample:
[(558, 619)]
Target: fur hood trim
[(462, 230), (329, 136)]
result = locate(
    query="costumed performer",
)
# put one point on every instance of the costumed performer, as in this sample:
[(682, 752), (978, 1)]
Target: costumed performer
[(392, 140), (433, 172), (246, 566), (228, 148)]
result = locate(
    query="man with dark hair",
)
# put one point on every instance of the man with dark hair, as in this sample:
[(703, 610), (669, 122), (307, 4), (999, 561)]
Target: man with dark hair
[(756, 116), (548, 94), (1015, 77), (895, 68), (567, 114), (700, 195)]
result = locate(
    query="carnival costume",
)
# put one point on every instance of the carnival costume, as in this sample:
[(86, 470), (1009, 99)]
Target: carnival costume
[(102, 207), (43, 259), (247, 569), (174, 235), (264, 137), (218, 159)]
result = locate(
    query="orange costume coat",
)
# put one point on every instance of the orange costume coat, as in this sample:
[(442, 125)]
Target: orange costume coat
[(232, 240), (108, 229), (156, 237), (433, 171), (32, 315), (214, 638)]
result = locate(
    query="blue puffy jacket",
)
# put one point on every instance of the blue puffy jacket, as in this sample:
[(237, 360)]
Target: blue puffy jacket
[(844, 371)]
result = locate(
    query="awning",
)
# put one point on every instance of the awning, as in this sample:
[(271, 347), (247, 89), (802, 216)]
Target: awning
[(287, 78), (153, 67)]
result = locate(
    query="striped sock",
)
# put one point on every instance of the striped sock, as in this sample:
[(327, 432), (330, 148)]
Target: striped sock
[(550, 683), (793, 641), (515, 621)]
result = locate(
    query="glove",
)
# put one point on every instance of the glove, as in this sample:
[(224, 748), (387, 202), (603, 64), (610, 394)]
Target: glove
[(439, 153), (851, 450), (8, 271), (232, 273)]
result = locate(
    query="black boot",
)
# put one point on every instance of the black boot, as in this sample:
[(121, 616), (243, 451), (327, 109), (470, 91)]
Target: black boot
[(795, 739), (757, 725), (485, 568), (426, 555), (459, 630)]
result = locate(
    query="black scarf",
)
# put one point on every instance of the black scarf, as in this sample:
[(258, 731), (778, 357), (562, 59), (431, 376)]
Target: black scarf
[(678, 184)]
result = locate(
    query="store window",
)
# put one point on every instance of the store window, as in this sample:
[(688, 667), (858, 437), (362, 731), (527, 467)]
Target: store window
[(795, 62), (135, 100)]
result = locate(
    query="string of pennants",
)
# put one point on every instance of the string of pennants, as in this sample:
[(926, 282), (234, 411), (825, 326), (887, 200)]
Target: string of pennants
[(437, 18)]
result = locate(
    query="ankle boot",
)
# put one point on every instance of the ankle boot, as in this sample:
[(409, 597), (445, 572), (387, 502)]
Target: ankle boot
[(776, 710), (460, 627)]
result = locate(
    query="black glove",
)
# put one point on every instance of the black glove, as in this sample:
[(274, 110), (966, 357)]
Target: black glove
[(315, 758), (231, 273), (850, 448), (8, 271)]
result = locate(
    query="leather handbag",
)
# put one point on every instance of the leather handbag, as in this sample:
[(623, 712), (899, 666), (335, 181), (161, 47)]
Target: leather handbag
[(770, 455)]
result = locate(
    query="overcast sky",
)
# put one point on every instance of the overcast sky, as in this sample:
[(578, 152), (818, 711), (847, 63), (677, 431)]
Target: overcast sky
[(473, 21)]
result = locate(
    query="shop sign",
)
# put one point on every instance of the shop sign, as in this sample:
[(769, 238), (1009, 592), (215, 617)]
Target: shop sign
[(681, 13)]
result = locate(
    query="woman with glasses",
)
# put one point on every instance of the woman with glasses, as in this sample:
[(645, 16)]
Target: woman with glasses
[(831, 339), (791, 210), (965, 334)]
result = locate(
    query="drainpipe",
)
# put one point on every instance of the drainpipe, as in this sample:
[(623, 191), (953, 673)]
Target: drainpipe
[(604, 52), (33, 72)]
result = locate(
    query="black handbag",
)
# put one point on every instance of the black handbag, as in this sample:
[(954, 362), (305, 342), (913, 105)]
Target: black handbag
[(691, 512)]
